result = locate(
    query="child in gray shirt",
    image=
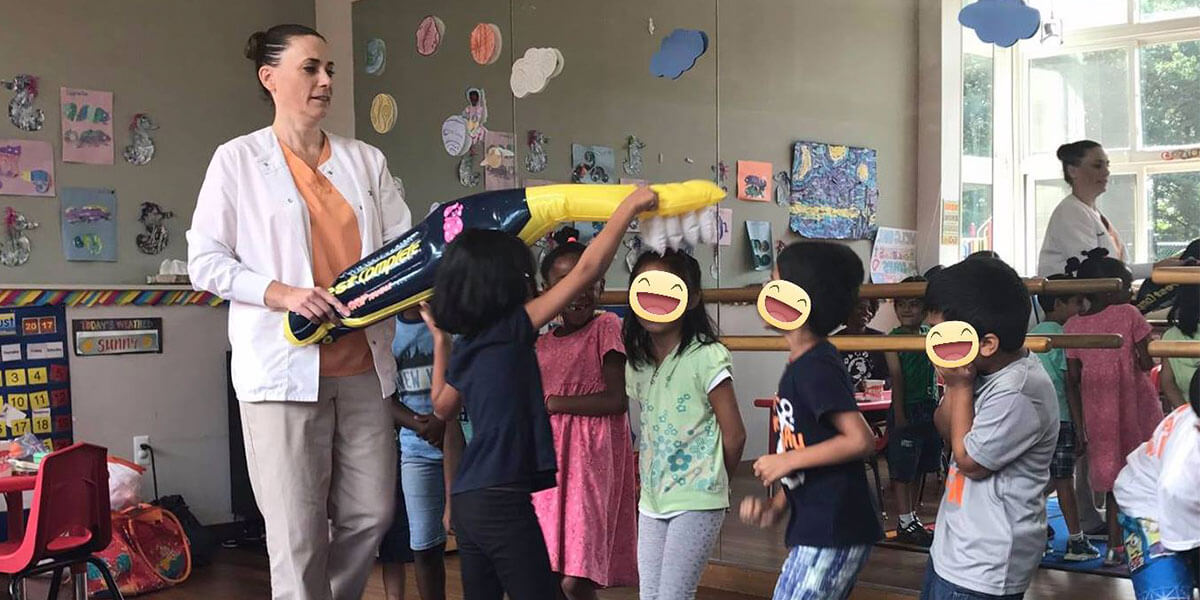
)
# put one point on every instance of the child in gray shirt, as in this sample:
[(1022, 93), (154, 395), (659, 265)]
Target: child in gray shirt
[(1000, 418)]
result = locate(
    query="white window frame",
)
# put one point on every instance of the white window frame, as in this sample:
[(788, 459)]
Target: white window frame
[(1015, 167)]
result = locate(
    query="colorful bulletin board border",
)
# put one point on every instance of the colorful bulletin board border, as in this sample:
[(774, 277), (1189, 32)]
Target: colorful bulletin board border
[(101, 297)]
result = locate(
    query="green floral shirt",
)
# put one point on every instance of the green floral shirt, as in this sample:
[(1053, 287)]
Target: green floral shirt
[(680, 452)]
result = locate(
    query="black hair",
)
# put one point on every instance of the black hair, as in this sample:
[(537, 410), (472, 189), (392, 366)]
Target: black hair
[(986, 293), (695, 321), (831, 274), (265, 47), (914, 279), (566, 244), (1072, 155), (983, 254), (483, 276), (1099, 265), (934, 270), (1046, 301), (1194, 393), (1185, 313)]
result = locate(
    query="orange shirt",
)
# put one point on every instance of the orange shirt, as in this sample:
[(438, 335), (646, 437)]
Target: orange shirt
[(336, 244)]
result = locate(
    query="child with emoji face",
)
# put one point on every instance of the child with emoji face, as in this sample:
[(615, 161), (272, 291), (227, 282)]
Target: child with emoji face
[(822, 435)]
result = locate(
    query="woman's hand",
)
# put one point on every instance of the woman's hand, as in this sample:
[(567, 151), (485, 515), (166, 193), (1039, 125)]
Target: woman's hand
[(316, 304)]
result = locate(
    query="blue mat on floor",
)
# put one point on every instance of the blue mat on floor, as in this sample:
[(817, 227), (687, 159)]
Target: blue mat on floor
[(1054, 560)]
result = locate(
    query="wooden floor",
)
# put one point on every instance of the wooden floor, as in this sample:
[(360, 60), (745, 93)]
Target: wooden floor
[(745, 565)]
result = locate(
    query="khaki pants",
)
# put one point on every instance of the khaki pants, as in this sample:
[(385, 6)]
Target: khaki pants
[(313, 465)]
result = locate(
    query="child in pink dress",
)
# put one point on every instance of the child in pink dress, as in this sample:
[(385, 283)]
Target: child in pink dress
[(1120, 407), (590, 519)]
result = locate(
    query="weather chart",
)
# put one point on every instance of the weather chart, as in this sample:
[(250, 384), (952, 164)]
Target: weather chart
[(35, 391)]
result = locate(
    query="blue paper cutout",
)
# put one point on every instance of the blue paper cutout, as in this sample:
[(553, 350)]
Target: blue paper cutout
[(1001, 22), (678, 53)]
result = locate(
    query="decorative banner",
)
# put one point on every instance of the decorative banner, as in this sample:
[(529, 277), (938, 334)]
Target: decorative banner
[(87, 129), (51, 297), (106, 337), (834, 191), (754, 181), (499, 161), (89, 224), (35, 385), (950, 223), (894, 255), (26, 168)]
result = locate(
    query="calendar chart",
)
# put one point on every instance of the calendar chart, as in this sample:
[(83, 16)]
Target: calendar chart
[(35, 387)]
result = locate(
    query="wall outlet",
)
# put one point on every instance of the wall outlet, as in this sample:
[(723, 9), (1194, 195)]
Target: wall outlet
[(141, 457)]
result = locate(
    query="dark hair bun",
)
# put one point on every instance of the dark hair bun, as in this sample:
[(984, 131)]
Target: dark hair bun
[(1064, 152), (255, 45), (565, 235), (1096, 253), (1073, 265)]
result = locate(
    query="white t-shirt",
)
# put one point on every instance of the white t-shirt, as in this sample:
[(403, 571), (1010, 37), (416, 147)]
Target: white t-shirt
[(1159, 480), (1075, 228)]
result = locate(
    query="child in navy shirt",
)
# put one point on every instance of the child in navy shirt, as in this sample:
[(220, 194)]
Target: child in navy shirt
[(484, 292), (822, 438)]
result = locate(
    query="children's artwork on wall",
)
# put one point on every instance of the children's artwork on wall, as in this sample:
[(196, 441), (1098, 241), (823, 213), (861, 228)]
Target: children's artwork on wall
[(154, 240), (468, 177), (486, 43), (21, 112), (1001, 22), (893, 255), (140, 150), (461, 131), (26, 168), (536, 160), (89, 224), (533, 71), (678, 53), (720, 174), (499, 161), (834, 191), (87, 129), (430, 32), (376, 58), (15, 248), (754, 180), (592, 164), (633, 155), (759, 235), (383, 113), (783, 188), (725, 226)]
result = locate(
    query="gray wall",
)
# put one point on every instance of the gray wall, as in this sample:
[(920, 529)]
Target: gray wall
[(179, 61), (182, 62)]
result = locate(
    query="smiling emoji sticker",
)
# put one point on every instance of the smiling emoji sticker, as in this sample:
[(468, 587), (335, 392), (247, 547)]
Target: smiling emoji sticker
[(952, 344), (658, 296), (784, 305)]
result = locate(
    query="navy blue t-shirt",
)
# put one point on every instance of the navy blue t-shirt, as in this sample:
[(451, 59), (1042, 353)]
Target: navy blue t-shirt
[(496, 373), (831, 505)]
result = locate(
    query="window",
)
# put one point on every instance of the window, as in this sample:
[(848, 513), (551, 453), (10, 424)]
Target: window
[(1125, 73)]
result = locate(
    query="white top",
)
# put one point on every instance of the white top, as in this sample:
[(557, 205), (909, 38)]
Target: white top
[(1159, 480), (1075, 228), (251, 227)]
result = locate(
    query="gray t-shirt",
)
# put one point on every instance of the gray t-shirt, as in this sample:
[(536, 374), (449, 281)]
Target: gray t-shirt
[(991, 532)]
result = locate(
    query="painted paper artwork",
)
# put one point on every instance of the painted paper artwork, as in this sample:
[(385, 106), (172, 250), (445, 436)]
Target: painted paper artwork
[(835, 191), (26, 168), (89, 224), (592, 164), (893, 255), (754, 180), (87, 129), (759, 235), (499, 161)]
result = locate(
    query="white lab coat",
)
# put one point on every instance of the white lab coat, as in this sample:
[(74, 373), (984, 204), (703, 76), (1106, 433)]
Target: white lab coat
[(251, 227), (1075, 228)]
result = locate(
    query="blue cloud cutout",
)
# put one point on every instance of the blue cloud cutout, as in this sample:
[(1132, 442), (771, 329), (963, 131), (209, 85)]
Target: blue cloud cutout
[(678, 53), (1001, 22)]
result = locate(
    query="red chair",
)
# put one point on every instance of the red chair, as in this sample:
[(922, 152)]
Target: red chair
[(68, 521)]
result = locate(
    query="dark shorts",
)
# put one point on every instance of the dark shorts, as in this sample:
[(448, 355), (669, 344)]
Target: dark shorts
[(395, 548), (1062, 466), (914, 450)]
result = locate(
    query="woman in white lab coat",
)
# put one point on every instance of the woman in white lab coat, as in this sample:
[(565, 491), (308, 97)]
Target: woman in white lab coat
[(281, 212), (1077, 225)]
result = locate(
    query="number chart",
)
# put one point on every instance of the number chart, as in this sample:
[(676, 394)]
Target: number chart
[(35, 387)]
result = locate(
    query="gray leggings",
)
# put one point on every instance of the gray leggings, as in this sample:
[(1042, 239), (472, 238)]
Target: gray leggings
[(672, 553)]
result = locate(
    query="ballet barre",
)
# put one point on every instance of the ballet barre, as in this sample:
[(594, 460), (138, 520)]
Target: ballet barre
[(915, 343), (1177, 275), (916, 289), (1161, 349)]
